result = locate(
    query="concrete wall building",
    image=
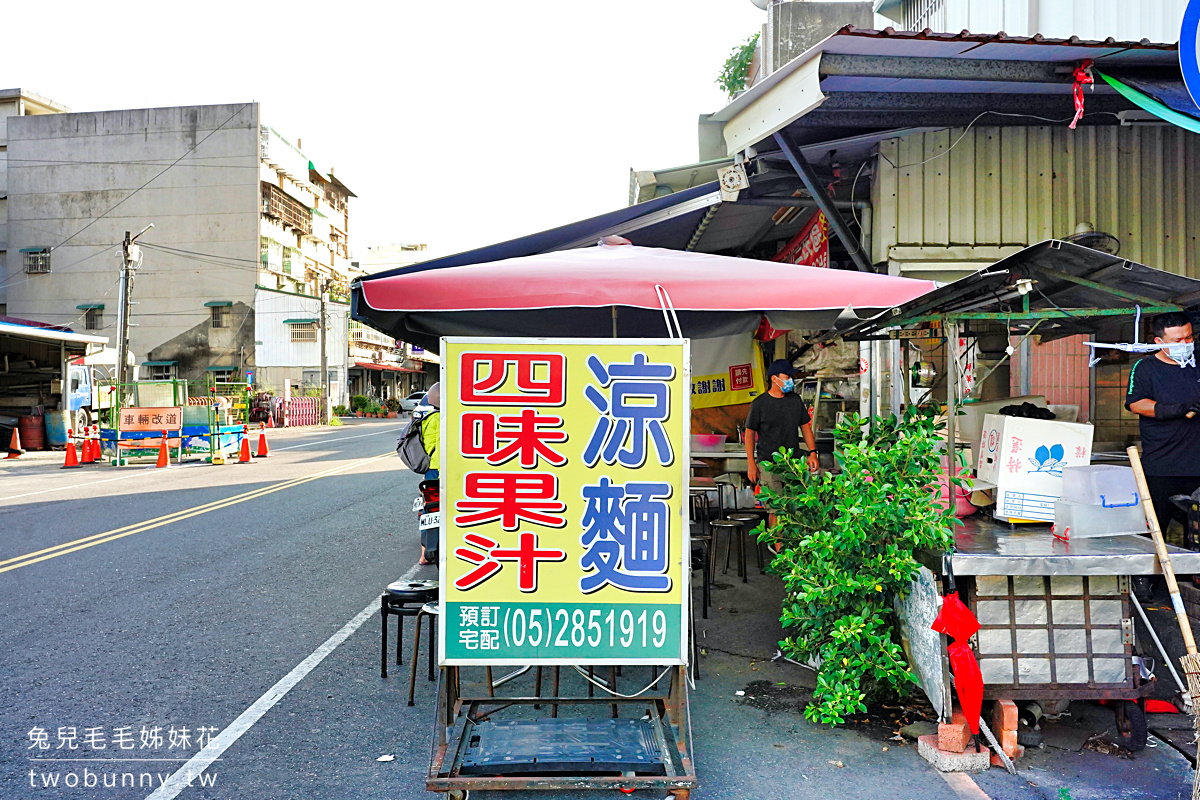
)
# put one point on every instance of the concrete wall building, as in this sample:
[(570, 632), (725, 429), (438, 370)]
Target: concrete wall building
[(15, 103), (242, 218)]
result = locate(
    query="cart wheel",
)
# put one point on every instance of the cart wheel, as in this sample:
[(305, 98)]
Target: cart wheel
[(1131, 726), (458, 794)]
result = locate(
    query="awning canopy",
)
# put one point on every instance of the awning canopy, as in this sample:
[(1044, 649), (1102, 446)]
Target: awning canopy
[(593, 291), (1061, 282), (382, 367), (305, 321), (862, 81)]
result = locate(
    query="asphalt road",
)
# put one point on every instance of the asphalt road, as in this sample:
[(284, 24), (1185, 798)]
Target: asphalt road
[(137, 598)]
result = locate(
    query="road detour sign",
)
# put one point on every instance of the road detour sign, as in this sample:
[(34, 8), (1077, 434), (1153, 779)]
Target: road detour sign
[(564, 501)]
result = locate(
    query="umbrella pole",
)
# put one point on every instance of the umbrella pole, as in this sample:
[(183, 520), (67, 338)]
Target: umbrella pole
[(1191, 661)]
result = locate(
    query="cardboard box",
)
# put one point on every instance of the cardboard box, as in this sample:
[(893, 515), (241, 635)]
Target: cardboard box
[(1024, 458)]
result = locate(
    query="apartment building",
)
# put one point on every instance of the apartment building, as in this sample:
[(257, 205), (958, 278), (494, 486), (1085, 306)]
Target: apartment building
[(248, 232), (379, 365)]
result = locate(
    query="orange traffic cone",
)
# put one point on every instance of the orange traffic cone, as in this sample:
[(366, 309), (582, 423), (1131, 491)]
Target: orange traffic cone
[(263, 452), (85, 449), (164, 452), (72, 457), (14, 445), (97, 451), (244, 455), (270, 419)]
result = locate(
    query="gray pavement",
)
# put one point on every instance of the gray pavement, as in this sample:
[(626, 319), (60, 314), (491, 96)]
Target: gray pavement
[(188, 620)]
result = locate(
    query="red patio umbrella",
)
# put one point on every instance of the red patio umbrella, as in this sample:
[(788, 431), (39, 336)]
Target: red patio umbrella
[(587, 292)]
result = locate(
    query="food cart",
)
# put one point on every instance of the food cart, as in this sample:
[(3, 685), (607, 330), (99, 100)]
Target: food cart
[(1056, 616), (619, 293)]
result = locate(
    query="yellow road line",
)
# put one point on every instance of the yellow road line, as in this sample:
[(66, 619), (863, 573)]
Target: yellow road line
[(158, 522)]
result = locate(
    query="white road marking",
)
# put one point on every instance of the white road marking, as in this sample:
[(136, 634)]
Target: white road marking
[(226, 738)]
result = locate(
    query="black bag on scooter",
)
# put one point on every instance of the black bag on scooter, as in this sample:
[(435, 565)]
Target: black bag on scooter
[(411, 448)]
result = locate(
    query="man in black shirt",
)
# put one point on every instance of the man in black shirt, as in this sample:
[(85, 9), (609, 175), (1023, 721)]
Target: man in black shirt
[(1164, 391), (776, 420)]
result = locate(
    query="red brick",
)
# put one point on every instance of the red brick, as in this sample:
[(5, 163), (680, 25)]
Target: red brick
[(1008, 743), (1004, 716), (953, 736), (996, 762)]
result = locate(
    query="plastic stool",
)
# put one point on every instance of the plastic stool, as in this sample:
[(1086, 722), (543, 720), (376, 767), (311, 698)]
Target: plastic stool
[(733, 530), (751, 521), (402, 599), (428, 610)]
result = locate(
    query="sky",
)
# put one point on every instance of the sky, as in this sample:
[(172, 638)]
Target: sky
[(457, 124)]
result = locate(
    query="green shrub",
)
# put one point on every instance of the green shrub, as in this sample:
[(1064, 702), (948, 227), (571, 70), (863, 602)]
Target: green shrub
[(373, 407), (735, 71), (392, 404), (339, 411), (848, 544), (334, 422), (358, 402)]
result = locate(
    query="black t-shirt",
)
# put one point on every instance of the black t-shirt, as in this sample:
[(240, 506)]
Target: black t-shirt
[(776, 421), (1170, 447)]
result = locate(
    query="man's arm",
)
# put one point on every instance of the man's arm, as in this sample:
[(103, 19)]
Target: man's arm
[(1144, 408), (810, 441), (751, 465)]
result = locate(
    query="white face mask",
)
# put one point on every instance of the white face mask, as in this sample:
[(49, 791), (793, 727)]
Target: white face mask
[(1182, 353)]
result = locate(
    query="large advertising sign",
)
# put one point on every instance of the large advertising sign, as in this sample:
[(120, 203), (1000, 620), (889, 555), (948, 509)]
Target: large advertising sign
[(564, 501), (1189, 44)]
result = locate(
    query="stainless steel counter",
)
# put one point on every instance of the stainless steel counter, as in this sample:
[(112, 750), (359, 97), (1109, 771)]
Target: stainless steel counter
[(987, 547)]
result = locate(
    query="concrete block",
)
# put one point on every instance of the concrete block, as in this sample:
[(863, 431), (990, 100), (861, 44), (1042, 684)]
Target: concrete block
[(996, 762), (943, 761), (1004, 716), (953, 736)]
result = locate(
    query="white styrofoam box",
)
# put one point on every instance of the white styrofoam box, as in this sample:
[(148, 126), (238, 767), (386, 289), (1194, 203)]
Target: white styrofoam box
[(969, 421), (1100, 485), (1024, 459)]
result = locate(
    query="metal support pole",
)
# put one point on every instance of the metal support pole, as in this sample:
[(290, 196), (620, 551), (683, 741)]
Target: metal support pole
[(899, 379), (824, 202), (324, 356), (123, 315), (951, 390), (1024, 360)]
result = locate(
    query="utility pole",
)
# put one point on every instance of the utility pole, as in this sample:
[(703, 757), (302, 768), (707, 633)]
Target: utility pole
[(131, 258), (324, 356)]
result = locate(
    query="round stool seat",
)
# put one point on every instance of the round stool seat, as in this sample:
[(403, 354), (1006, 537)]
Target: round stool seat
[(430, 608), (726, 523), (744, 517), (413, 591)]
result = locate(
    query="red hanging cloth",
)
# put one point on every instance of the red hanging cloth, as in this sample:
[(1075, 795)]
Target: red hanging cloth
[(1082, 75)]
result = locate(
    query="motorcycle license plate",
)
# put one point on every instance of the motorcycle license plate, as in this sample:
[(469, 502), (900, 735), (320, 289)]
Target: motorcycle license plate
[(431, 520)]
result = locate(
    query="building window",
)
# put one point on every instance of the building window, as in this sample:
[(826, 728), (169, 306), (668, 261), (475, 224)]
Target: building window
[(221, 375), (161, 372), (303, 331), (220, 316), (36, 260), (93, 318)]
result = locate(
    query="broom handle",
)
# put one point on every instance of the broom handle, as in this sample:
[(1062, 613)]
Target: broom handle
[(1160, 547)]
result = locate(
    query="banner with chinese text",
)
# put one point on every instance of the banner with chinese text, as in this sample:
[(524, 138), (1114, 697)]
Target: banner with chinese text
[(564, 501), (726, 371), (810, 246)]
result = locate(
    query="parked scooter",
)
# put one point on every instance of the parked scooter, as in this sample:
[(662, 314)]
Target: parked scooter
[(428, 505)]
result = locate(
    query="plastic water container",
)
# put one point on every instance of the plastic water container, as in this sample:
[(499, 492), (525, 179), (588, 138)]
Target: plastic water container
[(1100, 485), (1089, 521)]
